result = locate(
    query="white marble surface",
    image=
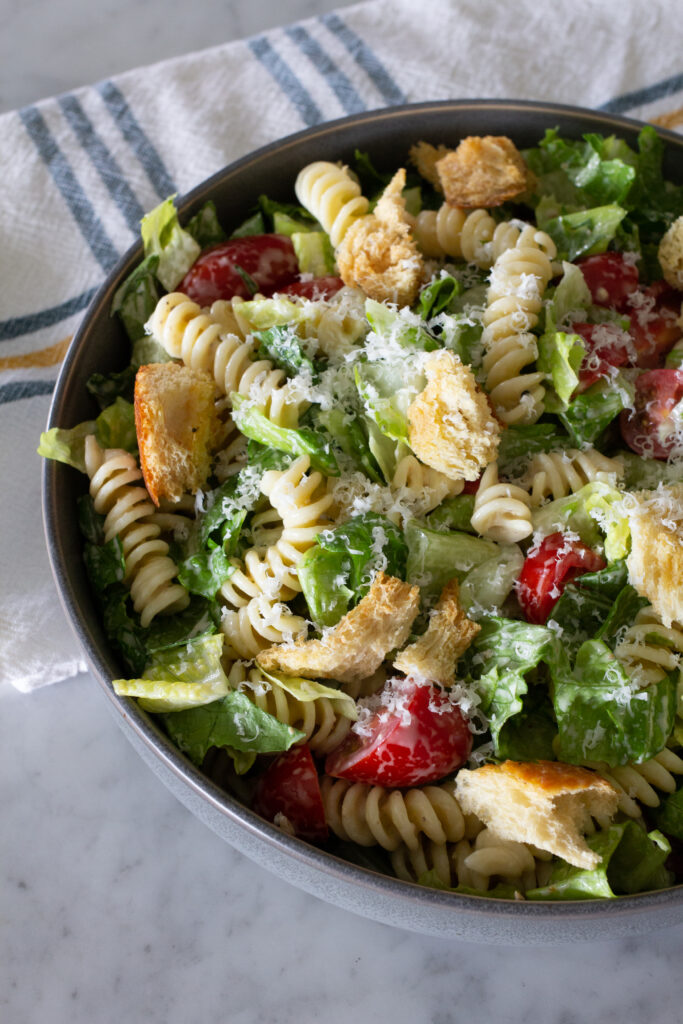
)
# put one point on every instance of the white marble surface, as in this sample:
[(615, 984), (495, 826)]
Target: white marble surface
[(116, 904)]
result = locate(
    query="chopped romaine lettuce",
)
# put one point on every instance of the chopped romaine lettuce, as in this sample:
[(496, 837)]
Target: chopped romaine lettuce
[(163, 236), (113, 428), (180, 678), (603, 716), (302, 441)]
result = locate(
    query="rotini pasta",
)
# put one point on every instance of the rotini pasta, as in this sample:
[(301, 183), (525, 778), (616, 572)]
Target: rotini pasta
[(256, 615), (513, 301), (329, 192), (199, 339), (117, 493), (557, 474), (641, 784), (501, 510), (425, 486), (371, 815), (480, 864), (473, 236), (323, 728), (648, 649)]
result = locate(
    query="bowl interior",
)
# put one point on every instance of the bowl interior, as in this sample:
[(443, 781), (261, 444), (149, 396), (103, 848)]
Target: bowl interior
[(101, 345)]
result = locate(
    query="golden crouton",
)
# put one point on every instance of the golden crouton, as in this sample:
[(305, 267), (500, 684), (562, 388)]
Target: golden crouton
[(450, 424), (435, 654), (378, 254), (425, 157), (358, 644), (671, 255), (547, 804), (175, 420), (483, 171), (655, 563)]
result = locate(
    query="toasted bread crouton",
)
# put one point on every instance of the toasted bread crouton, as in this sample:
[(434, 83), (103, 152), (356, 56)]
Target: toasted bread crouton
[(378, 253), (450, 424), (655, 562), (425, 157), (435, 654), (483, 171), (175, 419), (671, 255), (548, 804), (356, 647)]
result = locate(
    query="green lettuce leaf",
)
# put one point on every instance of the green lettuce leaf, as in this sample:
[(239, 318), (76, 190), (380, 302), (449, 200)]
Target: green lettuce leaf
[(593, 410), (283, 347), (233, 723), (205, 227), (585, 232), (486, 587), (601, 715), (163, 236), (135, 300), (669, 816), (314, 253), (560, 356), (302, 441), (632, 861), (437, 556), (113, 428), (180, 678), (338, 570)]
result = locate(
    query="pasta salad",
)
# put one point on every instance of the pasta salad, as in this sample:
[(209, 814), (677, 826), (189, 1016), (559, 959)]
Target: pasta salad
[(385, 513)]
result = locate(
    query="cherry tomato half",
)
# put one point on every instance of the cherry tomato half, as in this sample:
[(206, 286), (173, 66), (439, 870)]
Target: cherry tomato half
[(548, 569), (606, 346), (268, 260), (654, 313), (289, 786), (611, 278), (650, 429), (415, 736), (315, 289)]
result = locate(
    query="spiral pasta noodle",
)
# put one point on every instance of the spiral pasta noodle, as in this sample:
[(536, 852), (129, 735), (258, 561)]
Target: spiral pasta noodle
[(648, 650), (332, 196), (514, 298), (256, 593), (200, 340), (473, 236), (426, 487), (372, 815), (323, 728), (478, 865), (501, 510), (557, 474), (640, 784), (117, 493)]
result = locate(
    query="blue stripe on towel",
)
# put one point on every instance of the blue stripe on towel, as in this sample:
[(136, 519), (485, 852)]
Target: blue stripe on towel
[(103, 161), (365, 58), (25, 389), (307, 108), (17, 326), (638, 97), (336, 79), (136, 138), (66, 181)]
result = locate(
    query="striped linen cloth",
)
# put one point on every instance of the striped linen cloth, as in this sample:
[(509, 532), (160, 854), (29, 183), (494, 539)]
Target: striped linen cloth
[(78, 171)]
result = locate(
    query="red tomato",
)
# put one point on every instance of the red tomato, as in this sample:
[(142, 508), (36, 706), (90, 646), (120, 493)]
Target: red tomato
[(606, 346), (416, 735), (548, 569), (611, 278), (316, 288), (654, 313), (471, 486), (289, 786), (650, 429), (269, 260)]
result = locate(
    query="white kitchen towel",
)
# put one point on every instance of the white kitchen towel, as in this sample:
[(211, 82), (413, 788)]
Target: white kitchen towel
[(78, 171)]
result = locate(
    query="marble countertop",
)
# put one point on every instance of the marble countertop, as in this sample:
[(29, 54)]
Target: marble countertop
[(117, 904)]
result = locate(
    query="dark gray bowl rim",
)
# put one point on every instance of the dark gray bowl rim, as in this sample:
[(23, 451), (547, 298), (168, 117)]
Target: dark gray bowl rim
[(131, 717)]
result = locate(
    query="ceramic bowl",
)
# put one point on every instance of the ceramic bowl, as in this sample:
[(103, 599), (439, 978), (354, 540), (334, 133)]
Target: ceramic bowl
[(100, 345)]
